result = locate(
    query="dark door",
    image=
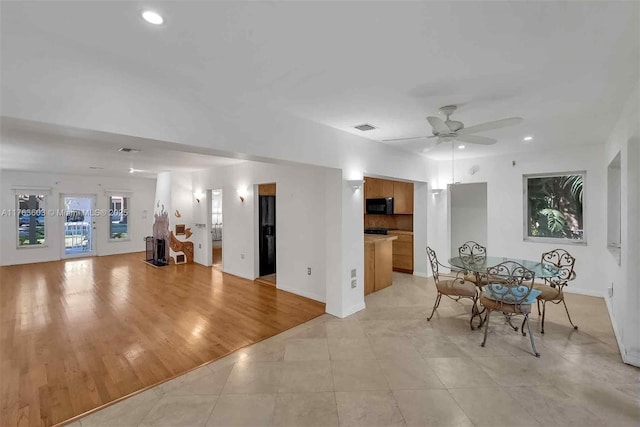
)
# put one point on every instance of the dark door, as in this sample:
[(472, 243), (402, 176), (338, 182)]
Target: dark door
[(267, 235)]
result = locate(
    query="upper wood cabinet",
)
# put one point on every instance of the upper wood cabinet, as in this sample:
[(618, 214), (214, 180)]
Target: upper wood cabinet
[(375, 188), (402, 197)]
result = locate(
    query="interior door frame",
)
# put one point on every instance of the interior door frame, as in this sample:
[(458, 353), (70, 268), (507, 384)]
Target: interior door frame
[(63, 217)]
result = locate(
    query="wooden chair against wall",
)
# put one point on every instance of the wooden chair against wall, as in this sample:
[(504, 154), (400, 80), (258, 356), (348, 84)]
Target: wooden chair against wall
[(551, 290)]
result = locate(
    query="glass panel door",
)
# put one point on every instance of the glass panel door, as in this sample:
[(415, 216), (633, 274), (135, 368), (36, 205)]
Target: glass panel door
[(79, 225)]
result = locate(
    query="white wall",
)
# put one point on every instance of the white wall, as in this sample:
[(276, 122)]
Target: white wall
[(301, 233), (623, 304), (421, 199), (140, 214), (505, 207), (468, 215)]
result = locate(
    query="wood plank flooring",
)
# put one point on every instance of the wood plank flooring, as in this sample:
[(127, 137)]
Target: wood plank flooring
[(78, 334)]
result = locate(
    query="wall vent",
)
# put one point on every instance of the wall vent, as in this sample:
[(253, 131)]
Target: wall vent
[(365, 127), (128, 150)]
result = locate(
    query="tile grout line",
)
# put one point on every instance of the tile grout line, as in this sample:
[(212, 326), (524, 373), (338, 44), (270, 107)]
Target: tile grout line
[(219, 395)]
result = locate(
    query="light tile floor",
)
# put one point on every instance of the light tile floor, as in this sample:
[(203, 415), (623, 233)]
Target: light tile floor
[(387, 366)]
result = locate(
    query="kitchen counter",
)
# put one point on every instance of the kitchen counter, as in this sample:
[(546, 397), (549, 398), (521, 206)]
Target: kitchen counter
[(378, 262), (401, 232), (377, 238)]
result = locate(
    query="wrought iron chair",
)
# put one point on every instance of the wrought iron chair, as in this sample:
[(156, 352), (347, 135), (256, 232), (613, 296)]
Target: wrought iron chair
[(551, 289), (452, 286), (472, 249), (512, 295), (475, 252)]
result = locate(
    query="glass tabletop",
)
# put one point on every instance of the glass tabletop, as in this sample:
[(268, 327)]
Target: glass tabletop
[(479, 264)]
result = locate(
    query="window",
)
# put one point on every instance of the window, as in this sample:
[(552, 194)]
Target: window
[(118, 217), (31, 220), (554, 207)]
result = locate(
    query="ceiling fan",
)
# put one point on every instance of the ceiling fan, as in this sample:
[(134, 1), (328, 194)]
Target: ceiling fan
[(450, 130)]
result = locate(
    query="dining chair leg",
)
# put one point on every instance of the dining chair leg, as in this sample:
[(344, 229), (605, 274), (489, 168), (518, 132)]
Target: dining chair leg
[(544, 310), (486, 328), (435, 306), (524, 334), (568, 315), (533, 344), (475, 312), (515, 328), (538, 307)]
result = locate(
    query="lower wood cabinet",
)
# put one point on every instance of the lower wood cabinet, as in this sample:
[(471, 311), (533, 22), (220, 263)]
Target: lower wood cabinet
[(402, 251), (377, 265)]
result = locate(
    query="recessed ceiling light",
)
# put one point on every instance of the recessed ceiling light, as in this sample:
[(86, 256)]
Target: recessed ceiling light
[(131, 170), (152, 17), (527, 138), (461, 147)]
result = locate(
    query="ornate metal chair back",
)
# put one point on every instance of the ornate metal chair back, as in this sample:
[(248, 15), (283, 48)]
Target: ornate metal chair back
[(564, 262), (433, 260), (510, 282), (473, 251)]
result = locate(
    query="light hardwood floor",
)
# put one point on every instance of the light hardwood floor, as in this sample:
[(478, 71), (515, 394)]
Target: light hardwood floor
[(79, 334)]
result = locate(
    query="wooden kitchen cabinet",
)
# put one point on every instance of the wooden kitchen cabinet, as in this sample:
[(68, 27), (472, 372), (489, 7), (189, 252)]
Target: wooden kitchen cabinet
[(402, 251), (402, 197), (378, 262), (376, 188)]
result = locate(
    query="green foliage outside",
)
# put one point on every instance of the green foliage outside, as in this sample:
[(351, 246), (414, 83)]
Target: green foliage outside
[(555, 207)]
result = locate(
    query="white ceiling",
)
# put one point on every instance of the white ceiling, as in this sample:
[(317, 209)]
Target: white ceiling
[(565, 67), (30, 146)]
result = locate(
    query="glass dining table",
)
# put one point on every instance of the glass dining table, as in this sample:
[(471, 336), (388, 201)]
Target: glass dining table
[(478, 265)]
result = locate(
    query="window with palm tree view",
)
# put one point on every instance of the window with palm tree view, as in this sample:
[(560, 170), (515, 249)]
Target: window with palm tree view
[(554, 209)]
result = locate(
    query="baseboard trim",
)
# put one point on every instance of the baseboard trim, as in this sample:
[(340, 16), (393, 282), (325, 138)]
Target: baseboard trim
[(586, 292), (614, 325), (310, 295), (354, 309), (420, 274)]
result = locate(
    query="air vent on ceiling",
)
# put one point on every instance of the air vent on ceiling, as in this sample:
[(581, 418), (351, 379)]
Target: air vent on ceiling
[(128, 150), (365, 127), (95, 167)]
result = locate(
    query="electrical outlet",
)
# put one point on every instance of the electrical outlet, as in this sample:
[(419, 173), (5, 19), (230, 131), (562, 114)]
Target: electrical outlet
[(353, 273), (241, 256), (610, 290), (199, 245), (308, 271), (354, 283)]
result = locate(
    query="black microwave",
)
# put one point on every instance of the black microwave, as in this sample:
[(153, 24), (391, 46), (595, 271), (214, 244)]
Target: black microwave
[(380, 206)]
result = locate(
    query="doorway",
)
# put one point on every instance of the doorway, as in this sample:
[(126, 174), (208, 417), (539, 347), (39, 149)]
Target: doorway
[(79, 225), (267, 232), (216, 228), (468, 214)]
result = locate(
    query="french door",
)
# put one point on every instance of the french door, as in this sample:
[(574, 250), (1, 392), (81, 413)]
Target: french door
[(79, 225)]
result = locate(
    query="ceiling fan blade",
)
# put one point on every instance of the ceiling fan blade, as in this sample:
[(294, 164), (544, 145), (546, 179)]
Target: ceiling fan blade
[(476, 139), (491, 125), (405, 139), (438, 125)]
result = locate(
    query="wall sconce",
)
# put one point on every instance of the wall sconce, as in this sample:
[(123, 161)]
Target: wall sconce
[(436, 191), (355, 184), (242, 193), (198, 195)]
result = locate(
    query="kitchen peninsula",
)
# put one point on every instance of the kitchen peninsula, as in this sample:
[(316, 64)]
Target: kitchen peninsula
[(378, 262)]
